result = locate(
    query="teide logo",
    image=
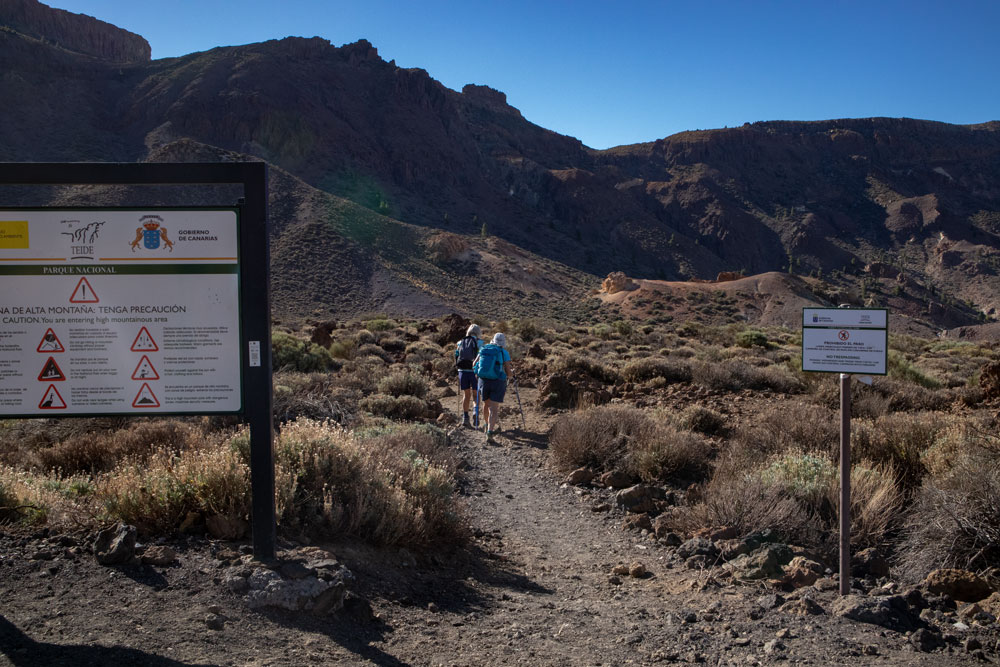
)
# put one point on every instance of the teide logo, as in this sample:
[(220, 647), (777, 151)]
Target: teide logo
[(81, 237)]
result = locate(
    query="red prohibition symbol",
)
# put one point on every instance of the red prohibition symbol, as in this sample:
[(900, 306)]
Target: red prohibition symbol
[(844, 335)]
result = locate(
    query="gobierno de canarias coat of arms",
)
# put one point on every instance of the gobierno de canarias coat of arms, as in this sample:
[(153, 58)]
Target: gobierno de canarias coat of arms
[(151, 233)]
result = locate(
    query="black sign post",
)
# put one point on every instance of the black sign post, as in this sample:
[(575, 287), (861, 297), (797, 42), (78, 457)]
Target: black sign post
[(255, 308)]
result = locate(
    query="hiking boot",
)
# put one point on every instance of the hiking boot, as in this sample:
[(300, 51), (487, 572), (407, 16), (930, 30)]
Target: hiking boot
[(465, 420), (489, 437)]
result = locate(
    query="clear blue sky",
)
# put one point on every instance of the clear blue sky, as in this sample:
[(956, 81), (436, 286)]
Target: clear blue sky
[(613, 72)]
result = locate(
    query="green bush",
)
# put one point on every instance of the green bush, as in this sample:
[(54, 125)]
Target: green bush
[(751, 338), (290, 353)]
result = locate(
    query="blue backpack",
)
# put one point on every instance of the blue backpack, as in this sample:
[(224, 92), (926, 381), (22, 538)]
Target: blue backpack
[(489, 364)]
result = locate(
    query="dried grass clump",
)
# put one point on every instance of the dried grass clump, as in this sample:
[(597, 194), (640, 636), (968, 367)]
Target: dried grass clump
[(897, 441), (669, 453), (372, 350), (421, 350), (157, 494), (103, 450), (308, 395), (628, 439), (330, 480), (735, 375), (648, 368), (955, 522), (595, 369), (403, 383), (700, 419), (796, 495), (364, 337), (791, 426), (394, 407)]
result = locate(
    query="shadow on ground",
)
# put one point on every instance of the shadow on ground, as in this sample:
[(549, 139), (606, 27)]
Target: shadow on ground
[(21, 649)]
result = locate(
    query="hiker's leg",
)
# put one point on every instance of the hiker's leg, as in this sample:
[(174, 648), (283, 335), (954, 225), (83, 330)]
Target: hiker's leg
[(466, 399)]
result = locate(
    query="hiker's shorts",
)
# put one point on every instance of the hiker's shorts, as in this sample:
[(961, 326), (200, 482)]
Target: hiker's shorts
[(492, 390), (467, 379)]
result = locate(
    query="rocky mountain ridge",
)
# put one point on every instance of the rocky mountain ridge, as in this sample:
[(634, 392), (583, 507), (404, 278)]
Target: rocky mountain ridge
[(824, 199)]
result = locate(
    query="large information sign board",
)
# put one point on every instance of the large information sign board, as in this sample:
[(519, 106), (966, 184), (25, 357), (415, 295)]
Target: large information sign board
[(845, 340), (115, 311)]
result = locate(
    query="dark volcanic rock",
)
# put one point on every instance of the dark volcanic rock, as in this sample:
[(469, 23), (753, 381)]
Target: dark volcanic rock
[(74, 32)]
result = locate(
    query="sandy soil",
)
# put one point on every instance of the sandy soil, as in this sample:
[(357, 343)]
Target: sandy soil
[(534, 588)]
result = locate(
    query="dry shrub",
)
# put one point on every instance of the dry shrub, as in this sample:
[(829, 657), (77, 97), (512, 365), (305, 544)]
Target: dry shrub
[(157, 494), (648, 368), (897, 441), (669, 453), (955, 522), (373, 350), (421, 350), (394, 407), (392, 344), (627, 438), (956, 437), (700, 419), (103, 450), (595, 369), (597, 437), (25, 499), (328, 479), (796, 495), (364, 337), (734, 375), (789, 426), (403, 383), (307, 395), (746, 505)]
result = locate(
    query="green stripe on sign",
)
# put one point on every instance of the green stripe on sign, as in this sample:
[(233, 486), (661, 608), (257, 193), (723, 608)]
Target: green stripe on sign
[(114, 269)]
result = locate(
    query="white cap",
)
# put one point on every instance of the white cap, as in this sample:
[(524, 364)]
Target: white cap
[(499, 339)]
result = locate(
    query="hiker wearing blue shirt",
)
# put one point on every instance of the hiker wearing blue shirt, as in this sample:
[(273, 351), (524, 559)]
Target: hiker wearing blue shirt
[(466, 352), (492, 366)]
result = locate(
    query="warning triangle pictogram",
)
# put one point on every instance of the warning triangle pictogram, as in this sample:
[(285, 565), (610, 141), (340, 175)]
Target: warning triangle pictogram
[(144, 370), (50, 343), (84, 293), (52, 400), (51, 372), (145, 398), (144, 342)]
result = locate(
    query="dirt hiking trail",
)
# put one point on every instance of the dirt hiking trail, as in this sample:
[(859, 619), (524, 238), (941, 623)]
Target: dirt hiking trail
[(536, 587)]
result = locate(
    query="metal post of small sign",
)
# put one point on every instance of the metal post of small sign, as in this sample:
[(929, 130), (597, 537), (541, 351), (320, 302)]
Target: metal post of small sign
[(845, 483), (846, 341)]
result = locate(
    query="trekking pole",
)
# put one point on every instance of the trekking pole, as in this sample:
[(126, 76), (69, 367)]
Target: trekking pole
[(475, 410), (518, 395)]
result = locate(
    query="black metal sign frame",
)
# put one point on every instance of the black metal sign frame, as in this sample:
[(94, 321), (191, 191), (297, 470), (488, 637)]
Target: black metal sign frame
[(255, 305)]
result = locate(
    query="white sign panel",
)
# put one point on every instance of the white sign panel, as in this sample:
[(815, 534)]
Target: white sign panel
[(844, 340), (119, 312)]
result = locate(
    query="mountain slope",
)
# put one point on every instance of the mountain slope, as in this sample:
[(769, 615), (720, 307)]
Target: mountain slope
[(893, 209)]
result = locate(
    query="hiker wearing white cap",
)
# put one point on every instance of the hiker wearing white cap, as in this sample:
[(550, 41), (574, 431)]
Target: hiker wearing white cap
[(492, 366), (466, 352)]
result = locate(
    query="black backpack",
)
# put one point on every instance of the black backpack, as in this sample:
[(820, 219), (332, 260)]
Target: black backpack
[(468, 349)]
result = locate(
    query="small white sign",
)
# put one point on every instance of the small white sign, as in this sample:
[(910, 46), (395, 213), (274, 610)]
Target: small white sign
[(844, 340), (254, 353)]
